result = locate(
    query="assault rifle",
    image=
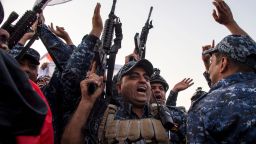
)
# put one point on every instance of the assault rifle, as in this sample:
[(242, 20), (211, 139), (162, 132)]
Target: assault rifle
[(140, 41), (105, 54), (23, 25)]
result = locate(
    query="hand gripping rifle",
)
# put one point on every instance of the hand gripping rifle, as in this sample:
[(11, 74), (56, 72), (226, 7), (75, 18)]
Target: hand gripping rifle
[(140, 41), (23, 25), (105, 54)]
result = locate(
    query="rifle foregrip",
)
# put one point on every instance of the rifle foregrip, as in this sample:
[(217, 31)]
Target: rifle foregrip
[(21, 27), (166, 118), (108, 34)]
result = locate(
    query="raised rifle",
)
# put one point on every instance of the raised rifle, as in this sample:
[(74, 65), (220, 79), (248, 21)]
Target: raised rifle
[(23, 25), (105, 52), (140, 40)]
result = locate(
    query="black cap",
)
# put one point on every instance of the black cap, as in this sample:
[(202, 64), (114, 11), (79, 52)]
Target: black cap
[(31, 53), (34, 55), (157, 78), (143, 63)]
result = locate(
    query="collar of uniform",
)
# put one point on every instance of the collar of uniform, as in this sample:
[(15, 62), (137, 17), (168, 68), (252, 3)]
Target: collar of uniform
[(235, 78), (127, 109)]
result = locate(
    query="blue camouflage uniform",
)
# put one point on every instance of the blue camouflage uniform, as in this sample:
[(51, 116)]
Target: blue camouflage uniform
[(74, 72), (53, 90), (179, 117), (227, 113), (58, 50), (30, 54), (124, 112), (64, 86)]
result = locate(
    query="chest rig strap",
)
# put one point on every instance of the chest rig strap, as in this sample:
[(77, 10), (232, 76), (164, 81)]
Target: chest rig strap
[(109, 115)]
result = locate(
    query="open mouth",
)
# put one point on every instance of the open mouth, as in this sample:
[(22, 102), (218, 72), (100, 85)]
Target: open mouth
[(141, 89), (158, 97)]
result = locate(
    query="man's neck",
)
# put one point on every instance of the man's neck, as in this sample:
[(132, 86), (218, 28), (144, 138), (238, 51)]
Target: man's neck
[(138, 111)]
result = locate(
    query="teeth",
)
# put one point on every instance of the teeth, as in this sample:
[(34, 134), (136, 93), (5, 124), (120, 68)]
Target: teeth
[(142, 87)]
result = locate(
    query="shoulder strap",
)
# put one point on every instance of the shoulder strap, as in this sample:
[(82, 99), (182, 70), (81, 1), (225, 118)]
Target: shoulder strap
[(109, 114)]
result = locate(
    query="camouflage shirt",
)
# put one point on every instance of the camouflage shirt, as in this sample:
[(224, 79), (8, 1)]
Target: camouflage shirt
[(74, 72), (54, 89), (58, 50), (172, 98), (226, 114), (179, 117)]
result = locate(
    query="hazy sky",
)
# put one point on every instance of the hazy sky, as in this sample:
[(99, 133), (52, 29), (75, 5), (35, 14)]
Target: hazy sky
[(181, 27)]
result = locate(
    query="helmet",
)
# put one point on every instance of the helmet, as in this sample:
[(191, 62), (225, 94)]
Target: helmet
[(157, 78)]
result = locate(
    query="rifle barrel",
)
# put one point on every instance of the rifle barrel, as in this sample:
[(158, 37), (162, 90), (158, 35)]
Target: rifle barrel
[(113, 8), (149, 15)]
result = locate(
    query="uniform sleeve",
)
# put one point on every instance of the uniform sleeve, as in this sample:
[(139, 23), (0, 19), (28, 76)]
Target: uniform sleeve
[(58, 50), (172, 98), (74, 72), (15, 51)]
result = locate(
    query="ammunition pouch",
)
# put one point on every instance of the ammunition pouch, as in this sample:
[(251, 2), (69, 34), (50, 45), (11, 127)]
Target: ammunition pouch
[(149, 130)]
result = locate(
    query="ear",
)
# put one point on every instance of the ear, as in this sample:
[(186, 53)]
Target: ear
[(224, 64)]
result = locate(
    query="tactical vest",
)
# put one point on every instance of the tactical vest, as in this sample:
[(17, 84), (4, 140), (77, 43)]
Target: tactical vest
[(149, 130)]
